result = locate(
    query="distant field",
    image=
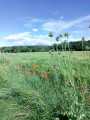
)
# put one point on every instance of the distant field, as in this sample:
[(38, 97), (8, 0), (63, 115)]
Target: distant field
[(41, 86)]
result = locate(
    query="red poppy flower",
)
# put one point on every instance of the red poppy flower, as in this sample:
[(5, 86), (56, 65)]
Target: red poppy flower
[(88, 99), (37, 70), (31, 69), (48, 72), (68, 82), (41, 75), (80, 83), (29, 73), (46, 76), (34, 73), (6, 66)]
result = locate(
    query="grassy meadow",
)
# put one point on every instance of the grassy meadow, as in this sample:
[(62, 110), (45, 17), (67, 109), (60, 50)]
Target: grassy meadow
[(42, 86)]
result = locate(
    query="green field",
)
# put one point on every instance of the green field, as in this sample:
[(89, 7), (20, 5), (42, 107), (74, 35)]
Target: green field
[(32, 88)]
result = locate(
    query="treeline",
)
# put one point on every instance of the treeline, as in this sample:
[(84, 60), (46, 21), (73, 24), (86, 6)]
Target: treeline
[(74, 46)]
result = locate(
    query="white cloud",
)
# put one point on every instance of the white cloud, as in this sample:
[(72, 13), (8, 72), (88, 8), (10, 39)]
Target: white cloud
[(18, 36), (84, 31), (59, 25), (28, 39), (77, 39), (79, 31), (84, 25), (34, 29)]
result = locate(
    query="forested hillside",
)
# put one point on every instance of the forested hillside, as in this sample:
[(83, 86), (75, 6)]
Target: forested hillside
[(75, 46)]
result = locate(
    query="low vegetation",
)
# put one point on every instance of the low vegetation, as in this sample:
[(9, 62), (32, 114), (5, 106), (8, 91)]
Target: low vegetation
[(45, 86)]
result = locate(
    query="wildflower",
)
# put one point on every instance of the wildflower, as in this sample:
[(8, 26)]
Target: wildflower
[(84, 87), (20, 66), (6, 66), (34, 73), (88, 99), (54, 65), (0, 69), (29, 73), (37, 70), (68, 82), (82, 95), (48, 72), (46, 76), (34, 65), (1, 100), (44, 72), (57, 38), (31, 69), (80, 83), (50, 34), (41, 75)]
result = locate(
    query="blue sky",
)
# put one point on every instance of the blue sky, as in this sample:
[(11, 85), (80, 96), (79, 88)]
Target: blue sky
[(28, 22)]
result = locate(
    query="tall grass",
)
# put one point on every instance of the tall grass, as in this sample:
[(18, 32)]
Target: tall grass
[(47, 92)]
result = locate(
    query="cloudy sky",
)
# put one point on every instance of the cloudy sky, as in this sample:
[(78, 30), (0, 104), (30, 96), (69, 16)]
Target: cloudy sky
[(28, 22)]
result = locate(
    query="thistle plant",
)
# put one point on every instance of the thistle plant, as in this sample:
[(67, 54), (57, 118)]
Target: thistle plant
[(65, 44), (51, 35), (57, 39), (86, 48), (61, 35), (83, 39), (67, 34)]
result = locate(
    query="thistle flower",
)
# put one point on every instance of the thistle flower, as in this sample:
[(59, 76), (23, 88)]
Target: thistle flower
[(50, 34), (83, 38), (67, 34), (57, 38), (54, 65)]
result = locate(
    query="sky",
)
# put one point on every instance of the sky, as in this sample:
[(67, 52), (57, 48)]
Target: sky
[(28, 22)]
